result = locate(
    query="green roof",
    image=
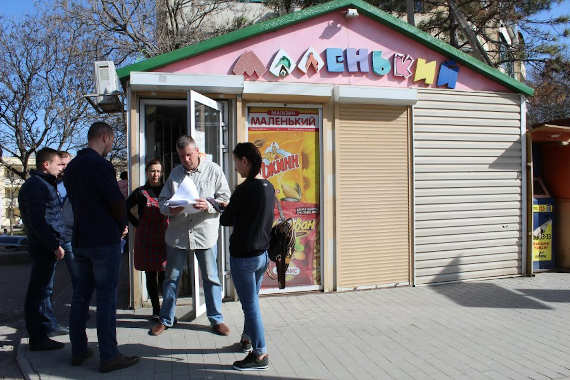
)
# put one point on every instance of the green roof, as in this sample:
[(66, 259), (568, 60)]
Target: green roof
[(318, 10)]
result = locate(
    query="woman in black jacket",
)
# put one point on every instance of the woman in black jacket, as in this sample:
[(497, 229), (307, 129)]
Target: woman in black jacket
[(250, 212)]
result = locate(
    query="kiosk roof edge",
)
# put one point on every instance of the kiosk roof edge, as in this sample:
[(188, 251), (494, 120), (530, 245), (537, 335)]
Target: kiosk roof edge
[(315, 11)]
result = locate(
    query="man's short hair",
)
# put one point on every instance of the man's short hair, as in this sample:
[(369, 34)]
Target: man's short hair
[(63, 154), (45, 155), (99, 129), (183, 141)]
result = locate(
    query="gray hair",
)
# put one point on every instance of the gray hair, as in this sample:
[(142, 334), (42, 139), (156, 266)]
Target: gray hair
[(183, 141)]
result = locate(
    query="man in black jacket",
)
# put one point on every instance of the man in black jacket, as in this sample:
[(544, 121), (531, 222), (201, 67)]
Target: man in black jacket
[(41, 214), (100, 218)]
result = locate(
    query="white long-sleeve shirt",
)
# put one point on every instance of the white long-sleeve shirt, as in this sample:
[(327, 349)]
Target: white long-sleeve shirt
[(200, 230)]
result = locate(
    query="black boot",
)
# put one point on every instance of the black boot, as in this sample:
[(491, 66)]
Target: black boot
[(45, 344)]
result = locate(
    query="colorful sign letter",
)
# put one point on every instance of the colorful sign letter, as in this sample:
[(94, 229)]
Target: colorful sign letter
[(282, 64), (403, 65), (310, 59), (335, 60), (248, 63), (354, 57), (380, 66), (448, 72), (425, 71)]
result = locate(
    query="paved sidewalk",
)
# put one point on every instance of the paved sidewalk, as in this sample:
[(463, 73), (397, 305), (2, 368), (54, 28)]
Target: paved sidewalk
[(515, 328), (12, 293)]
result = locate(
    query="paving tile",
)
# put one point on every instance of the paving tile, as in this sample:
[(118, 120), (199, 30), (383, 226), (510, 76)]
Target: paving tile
[(491, 329)]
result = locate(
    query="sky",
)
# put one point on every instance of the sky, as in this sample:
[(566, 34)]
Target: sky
[(15, 8), (561, 9), (20, 7)]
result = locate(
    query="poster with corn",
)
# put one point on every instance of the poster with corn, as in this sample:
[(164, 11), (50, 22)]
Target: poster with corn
[(288, 139)]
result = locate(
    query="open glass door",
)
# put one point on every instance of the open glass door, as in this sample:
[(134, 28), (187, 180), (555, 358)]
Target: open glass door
[(205, 126)]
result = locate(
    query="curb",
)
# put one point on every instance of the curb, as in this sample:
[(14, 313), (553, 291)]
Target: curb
[(28, 372)]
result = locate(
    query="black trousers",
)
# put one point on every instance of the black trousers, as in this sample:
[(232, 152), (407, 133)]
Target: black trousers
[(38, 308), (154, 282)]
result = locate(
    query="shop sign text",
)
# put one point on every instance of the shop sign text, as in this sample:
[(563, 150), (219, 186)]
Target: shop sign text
[(353, 61)]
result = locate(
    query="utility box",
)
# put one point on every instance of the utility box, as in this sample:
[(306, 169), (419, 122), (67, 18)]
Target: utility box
[(542, 228)]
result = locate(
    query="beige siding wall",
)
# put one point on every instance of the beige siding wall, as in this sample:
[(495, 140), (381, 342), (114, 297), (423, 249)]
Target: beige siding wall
[(372, 195), (467, 185)]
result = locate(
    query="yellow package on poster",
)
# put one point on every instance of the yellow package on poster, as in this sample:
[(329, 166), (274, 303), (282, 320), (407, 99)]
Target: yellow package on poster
[(290, 153)]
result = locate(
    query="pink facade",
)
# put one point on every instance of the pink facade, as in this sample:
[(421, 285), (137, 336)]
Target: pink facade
[(332, 30)]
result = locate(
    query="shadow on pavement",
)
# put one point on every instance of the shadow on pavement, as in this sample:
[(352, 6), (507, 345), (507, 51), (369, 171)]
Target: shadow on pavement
[(480, 294), (548, 295), (155, 363), (145, 323), (483, 294), (13, 286)]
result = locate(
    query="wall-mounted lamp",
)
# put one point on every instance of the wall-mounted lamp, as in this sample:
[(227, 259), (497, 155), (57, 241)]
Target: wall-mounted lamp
[(351, 13), (564, 143)]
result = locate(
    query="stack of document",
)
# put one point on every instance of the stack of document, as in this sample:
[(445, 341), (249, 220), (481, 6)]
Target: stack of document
[(185, 196)]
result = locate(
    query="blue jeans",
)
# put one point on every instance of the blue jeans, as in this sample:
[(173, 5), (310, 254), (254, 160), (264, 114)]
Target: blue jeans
[(247, 273), (69, 259), (98, 270), (208, 263), (40, 318), (70, 263)]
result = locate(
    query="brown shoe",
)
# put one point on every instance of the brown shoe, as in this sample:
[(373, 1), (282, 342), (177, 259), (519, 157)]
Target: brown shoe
[(157, 329), (119, 362), (221, 329)]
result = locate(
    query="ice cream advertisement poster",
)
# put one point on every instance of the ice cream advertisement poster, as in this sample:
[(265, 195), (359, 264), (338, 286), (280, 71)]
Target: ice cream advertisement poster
[(288, 139)]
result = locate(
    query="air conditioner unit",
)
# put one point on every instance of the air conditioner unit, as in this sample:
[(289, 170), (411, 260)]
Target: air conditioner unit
[(106, 78), (108, 89)]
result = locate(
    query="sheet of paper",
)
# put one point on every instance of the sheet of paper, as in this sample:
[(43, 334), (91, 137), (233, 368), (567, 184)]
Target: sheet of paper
[(185, 196)]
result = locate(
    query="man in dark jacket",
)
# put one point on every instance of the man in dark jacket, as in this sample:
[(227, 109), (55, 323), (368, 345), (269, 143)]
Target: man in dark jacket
[(41, 214), (99, 222)]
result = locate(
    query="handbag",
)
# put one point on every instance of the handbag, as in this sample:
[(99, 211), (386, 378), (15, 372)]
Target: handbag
[(282, 245)]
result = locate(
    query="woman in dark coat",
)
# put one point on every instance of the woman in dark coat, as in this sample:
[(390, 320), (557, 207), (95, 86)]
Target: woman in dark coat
[(250, 212), (150, 249)]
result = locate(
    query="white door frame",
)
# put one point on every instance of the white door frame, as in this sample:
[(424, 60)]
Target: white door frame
[(142, 155), (193, 97), (198, 308)]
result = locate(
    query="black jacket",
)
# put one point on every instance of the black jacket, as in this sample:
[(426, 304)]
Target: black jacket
[(41, 212), (250, 212)]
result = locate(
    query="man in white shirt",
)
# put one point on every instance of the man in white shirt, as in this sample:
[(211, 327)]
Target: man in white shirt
[(193, 233)]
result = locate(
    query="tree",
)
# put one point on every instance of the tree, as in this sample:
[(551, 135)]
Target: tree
[(552, 92), (43, 61), (475, 27), (129, 30)]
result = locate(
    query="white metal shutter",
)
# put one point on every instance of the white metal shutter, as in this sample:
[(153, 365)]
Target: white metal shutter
[(467, 185), (372, 195)]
